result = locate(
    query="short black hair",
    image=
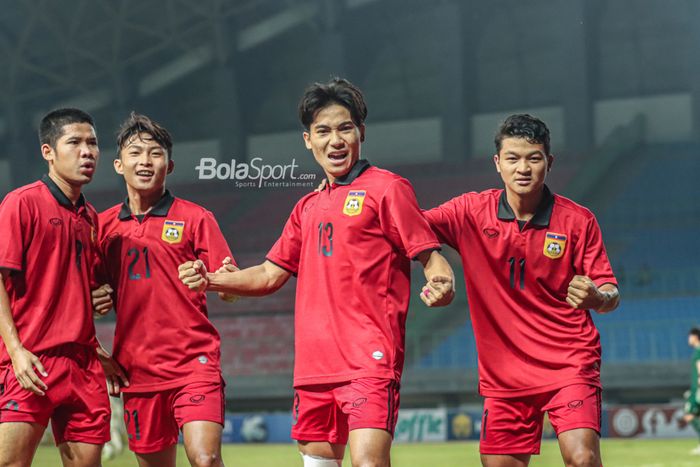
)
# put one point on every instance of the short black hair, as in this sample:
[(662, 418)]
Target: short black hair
[(525, 126), (51, 126), (337, 91), (694, 332), (138, 123)]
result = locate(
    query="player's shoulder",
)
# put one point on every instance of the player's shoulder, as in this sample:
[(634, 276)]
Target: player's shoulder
[(380, 182), (187, 210), (378, 175), (110, 213), (188, 206), (572, 208), (487, 196), (32, 198), (307, 200), (35, 190), (475, 199)]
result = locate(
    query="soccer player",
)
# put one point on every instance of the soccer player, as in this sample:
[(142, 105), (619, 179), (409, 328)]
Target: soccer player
[(534, 265), (692, 404), (350, 246), (48, 364), (163, 339)]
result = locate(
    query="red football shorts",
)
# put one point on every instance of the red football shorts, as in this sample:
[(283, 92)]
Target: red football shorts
[(328, 412), (154, 419), (76, 400), (514, 426)]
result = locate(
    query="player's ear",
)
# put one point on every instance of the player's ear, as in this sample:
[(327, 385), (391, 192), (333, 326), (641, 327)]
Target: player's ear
[(171, 166), (495, 162), (550, 162), (118, 166), (307, 141), (47, 152), (362, 133)]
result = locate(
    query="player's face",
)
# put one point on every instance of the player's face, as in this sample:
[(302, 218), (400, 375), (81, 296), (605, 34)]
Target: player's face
[(523, 166), (144, 163), (74, 159), (693, 341), (335, 140)]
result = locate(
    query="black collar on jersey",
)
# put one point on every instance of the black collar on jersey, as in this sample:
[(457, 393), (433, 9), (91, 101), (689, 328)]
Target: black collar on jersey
[(160, 209), (61, 196), (360, 166), (542, 215)]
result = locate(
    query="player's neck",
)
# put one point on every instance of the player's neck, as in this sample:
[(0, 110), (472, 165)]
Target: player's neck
[(72, 192), (524, 206), (140, 202)]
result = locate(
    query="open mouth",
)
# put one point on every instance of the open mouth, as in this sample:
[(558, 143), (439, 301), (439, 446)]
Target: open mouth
[(145, 174), (337, 157)]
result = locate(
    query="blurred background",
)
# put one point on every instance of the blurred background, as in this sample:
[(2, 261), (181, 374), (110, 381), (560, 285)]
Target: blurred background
[(617, 82)]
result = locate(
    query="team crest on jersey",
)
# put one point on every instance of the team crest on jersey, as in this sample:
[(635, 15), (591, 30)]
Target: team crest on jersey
[(554, 245), (172, 231), (353, 203)]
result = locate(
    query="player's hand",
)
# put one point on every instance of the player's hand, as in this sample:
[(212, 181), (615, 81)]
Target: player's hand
[(23, 364), (116, 378), (102, 300), (583, 294), (228, 266), (688, 417), (439, 291), (194, 275), (321, 186)]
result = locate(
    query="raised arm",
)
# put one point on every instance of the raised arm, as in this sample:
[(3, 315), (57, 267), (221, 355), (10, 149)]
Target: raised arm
[(255, 281)]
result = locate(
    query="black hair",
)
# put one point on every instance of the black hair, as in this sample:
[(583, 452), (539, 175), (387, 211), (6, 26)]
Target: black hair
[(51, 126), (694, 332), (525, 126), (337, 91), (137, 123)]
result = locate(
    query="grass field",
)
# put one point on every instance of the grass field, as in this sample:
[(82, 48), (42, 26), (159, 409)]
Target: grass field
[(616, 453)]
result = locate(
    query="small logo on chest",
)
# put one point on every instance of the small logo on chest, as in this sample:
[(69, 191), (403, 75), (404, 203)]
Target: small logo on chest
[(554, 245), (172, 231), (353, 203)]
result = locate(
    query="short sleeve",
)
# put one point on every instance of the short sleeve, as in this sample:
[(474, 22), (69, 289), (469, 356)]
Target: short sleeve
[(402, 221), (447, 220), (286, 251), (592, 260), (210, 246), (15, 232)]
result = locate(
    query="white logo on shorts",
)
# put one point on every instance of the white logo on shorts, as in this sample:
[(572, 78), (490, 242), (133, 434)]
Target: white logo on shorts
[(202, 359), (377, 355)]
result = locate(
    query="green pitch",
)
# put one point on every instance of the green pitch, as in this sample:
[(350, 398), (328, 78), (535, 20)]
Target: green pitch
[(617, 453)]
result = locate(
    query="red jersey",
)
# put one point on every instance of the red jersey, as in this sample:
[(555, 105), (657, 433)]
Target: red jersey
[(350, 246), (529, 340), (163, 337), (48, 244)]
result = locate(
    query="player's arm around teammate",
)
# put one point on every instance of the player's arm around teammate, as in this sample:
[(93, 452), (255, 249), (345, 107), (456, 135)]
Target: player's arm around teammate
[(116, 378)]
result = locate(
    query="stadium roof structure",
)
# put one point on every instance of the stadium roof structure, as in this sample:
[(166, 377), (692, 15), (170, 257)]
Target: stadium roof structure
[(97, 53)]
